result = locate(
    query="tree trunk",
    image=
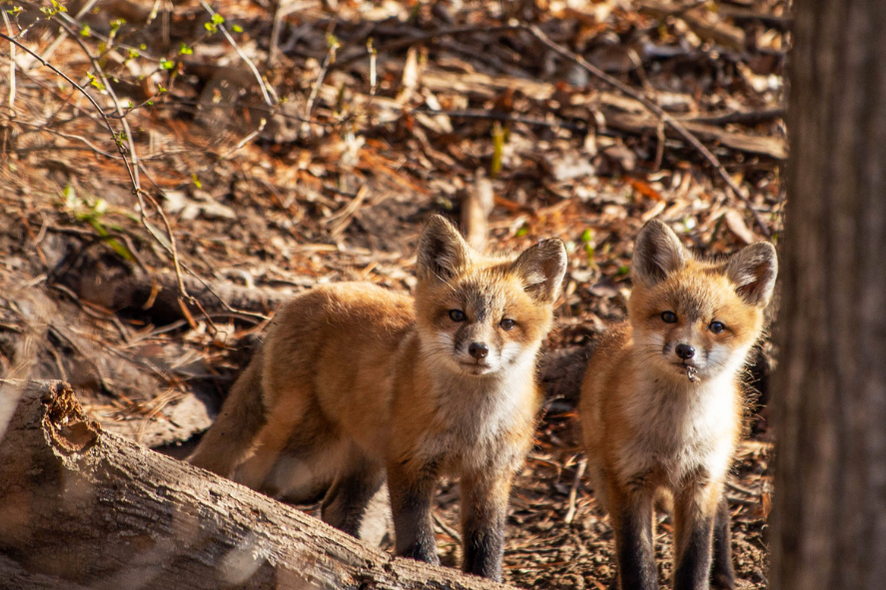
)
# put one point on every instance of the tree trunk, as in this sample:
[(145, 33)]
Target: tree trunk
[(84, 508), (830, 388)]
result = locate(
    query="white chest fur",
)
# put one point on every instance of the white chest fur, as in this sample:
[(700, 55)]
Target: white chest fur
[(682, 430), (475, 416)]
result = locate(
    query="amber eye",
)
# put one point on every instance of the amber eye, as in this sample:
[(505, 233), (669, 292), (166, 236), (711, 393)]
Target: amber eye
[(717, 327), (457, 315), (507, 324), (669, 317)]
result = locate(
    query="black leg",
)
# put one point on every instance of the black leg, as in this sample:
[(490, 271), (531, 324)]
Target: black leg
[(722, 574), (411, 493), (484, 507), (345, 504), (694, 512), (633, 544)]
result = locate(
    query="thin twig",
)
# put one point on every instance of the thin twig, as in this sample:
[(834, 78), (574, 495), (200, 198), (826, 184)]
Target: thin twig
[(50, 51), (107, 121), (43, 128), (504, 117), (327, 63), (658, 111), (447, 529), (11, 66), (261, 82), (109, 89), (573, 492)]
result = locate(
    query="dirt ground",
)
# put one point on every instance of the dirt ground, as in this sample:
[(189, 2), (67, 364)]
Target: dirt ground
[(369, 117)]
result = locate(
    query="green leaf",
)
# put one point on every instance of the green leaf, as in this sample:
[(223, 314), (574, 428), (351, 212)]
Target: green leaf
[(166, 64), (623, 270), (196, 180), (85, 31), (217, 19), (237, 28), (587, 235), (185, 50), (522, 231), (93, 81)]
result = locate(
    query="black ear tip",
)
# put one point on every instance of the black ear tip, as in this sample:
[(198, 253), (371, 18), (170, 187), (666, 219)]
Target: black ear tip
[(552, 245), (654, 227)]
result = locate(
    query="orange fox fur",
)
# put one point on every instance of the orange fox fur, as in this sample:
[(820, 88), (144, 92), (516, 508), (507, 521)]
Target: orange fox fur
[(662, 406), (356, 384)]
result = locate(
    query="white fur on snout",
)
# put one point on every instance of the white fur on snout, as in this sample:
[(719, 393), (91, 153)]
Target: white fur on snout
[(442, 348)]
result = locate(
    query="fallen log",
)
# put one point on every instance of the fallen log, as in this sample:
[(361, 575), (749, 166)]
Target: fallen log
[(80, 507)]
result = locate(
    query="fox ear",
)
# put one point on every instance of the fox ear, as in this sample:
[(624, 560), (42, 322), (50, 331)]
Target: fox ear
[(442, 252), (657, 252), (542, 268), (753, 270)]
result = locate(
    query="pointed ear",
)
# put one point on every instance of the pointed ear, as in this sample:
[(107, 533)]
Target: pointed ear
[(442, 252), (542, 268), (657, 252), (753, 270)]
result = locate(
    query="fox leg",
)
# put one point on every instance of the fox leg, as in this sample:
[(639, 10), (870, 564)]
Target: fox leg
[(722, 574), (346, 501), (694, 512), (291, 411), (228, 442), (632, 515), (412, 491), (484, 508)]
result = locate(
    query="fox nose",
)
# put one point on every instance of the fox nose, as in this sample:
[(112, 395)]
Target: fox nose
[(478, 350), (684, 351)]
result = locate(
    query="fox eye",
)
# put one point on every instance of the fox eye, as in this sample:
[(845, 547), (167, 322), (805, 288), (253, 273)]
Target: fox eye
[(669, 317), (507, 324), (457, 315), (717, 327)]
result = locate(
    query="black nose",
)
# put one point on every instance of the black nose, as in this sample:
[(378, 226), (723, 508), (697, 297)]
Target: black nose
[(478, 350), (684, 351)]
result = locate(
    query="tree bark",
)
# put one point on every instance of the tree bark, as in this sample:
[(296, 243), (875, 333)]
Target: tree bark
[(84, 508), (830, 388)]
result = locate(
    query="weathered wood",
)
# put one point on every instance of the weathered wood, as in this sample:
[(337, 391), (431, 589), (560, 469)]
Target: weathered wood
[(774, 147), (80, 507), (829, 528)]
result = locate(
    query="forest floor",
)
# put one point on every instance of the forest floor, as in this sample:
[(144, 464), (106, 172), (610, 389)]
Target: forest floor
[(368, 117)]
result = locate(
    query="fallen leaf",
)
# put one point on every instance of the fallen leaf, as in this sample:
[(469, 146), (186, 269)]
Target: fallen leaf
[(737, 226)]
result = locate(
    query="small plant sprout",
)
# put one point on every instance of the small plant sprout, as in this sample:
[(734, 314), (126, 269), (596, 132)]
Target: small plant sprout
[(212, 26), (587, 238), (54, 9), (498, 147)]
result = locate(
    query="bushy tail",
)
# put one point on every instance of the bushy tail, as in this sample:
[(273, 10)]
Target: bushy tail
[(229, 441)]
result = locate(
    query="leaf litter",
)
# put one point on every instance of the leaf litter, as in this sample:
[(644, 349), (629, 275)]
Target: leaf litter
[(315, 158)]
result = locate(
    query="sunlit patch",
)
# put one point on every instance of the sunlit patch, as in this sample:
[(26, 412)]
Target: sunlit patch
[(241, 562)]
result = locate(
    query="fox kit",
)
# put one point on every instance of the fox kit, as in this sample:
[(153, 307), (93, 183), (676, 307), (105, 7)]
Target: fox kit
[(356, 384), (662, 406)]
